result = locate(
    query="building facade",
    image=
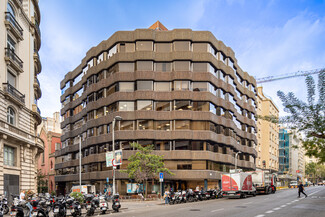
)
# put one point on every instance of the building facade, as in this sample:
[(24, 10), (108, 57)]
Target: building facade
[(50, 133), (291, 156), (180, 90), (267, 134), (20, 146)]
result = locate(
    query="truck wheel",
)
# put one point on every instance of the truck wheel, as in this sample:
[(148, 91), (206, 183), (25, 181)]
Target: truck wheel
[(254, 194)]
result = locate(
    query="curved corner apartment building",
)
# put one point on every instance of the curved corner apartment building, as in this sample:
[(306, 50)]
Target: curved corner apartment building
[(180, 90)]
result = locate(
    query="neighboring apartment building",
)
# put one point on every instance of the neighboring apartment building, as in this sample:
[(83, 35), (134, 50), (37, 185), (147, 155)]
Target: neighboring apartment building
[(50, 132), (267, 134), (20, 41), (180, 90), (291, 156)]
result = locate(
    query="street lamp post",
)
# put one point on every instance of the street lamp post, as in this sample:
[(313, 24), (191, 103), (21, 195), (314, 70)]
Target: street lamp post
[(116, 118), (236, 161), (80, 163)]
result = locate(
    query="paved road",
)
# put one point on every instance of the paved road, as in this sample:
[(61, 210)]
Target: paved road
[(282, 203)]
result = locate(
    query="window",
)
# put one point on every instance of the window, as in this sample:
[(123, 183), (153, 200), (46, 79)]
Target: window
[(77, 94), (11, 10), (144, 66), (145, 125), (57, 146), (201, 106), (200, 86), (11, 79), (182, 66), (144, 45), (126, 106), (182, 105), (9, 156), (182, 125), (126, 67), (126, 86), (11, 44), (182, 46), (200, 125), (163, 67), (126, 125), (162, 106), (144, 85), (162, 125), (200, 67), (182, 145), (144, 105), (11, 116), (162, 86), (163, 47), (181, 85), (184, 166), (100, 58)]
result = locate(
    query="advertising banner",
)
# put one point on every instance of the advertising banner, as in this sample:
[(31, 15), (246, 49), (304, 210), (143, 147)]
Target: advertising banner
[(118, 157), (109, 159), (134, 188)]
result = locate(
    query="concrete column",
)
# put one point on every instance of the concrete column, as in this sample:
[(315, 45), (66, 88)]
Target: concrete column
[(205, 184), (204, 146)]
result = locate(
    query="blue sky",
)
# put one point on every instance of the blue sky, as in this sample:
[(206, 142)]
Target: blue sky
[(268, 37)]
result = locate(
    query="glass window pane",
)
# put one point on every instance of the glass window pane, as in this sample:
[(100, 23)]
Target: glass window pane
[(126, 125), (144, 45), (162, 125), (144, 85), (162, 86), (144, 105), (200, 86), (144, 66), (11, 79), (163, 47), (201, 106), (182, 145), (182, 105), (182, 45), (162, 106), (163, 67), (200, 125), (181, 85), (126, 86), (182, 125), (200, 67), (145, 125), (126, 67), (182, 66), (126, 106)]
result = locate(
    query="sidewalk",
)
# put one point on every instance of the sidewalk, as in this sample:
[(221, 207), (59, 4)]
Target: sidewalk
[(133, 205)]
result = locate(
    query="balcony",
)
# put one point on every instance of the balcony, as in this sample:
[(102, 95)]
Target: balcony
[(37, 62), (13, 60), (37, 88), (13, 26), (13, 93), (37, 113)]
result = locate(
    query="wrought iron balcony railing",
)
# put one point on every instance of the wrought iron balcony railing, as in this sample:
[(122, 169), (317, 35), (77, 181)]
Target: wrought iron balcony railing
[(11, 54), (11, 90), (11, 19)]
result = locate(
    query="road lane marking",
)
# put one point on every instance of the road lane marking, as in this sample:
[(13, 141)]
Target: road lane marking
[(277, 208), (216, 210), (288, 203), (259, 216), (283, 206), (270, 211)]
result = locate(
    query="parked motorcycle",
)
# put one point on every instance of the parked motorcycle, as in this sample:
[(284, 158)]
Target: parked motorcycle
[(38, 210), (92, 203), (59, 207), (4, 208), (116, 205)]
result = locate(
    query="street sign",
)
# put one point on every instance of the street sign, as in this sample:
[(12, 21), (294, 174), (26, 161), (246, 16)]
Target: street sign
[(161, 177), (109, 158)]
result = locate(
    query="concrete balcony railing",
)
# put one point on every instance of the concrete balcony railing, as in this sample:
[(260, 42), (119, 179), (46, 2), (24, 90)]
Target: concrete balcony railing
[(12, 92), (13, 25), (12, 59)]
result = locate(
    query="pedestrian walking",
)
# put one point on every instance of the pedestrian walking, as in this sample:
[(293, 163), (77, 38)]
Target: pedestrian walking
[(301, 189), (166, 196)]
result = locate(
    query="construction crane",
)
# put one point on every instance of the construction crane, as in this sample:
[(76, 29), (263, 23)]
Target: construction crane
[(288, 75)]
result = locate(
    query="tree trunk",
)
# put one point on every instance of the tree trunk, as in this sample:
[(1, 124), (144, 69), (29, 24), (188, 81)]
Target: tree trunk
[(146, 188)]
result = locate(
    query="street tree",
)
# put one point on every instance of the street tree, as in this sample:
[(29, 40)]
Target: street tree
[(315, 170), (144, 166), (308, 117)]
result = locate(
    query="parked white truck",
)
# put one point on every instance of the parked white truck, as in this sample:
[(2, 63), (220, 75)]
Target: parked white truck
[(264, 181), (237, 184)]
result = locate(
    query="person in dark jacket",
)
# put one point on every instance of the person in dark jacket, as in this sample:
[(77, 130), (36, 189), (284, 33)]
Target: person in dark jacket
[(301, 189)]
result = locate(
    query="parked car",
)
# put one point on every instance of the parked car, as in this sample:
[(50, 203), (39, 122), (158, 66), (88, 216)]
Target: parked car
[(293, 184)]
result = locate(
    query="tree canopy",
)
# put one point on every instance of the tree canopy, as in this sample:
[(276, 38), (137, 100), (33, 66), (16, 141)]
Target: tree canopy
[(144, 166), (309, 116)]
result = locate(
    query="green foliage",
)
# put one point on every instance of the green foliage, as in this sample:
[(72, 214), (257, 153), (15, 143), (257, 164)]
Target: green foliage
[(78, 196), (315, 170), (308, 117), (42, 182), (270, 118), (144, 165)]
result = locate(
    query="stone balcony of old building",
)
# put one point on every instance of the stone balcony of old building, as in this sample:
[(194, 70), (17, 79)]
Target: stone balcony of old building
[(13, 60), (12, 93), (13, 26)]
